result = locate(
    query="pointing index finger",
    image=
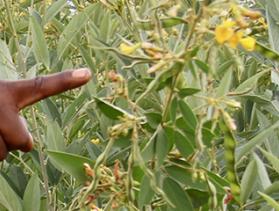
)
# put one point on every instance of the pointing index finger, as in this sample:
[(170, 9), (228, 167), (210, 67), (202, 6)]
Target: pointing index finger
[(27, 92)]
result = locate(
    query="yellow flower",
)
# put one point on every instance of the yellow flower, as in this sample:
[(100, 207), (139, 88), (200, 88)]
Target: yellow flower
[(235, 39), (95, 141), (249, 43), (128, 49), (224, 31)]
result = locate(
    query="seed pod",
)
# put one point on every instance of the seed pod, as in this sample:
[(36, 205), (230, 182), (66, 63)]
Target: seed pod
[(229, 146)]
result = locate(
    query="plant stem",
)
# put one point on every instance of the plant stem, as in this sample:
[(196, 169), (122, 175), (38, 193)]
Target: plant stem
[(42, 159)]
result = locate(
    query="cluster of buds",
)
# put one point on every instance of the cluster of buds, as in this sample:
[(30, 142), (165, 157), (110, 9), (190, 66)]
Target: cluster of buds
[(122, 129), (121, 87), (111, 182)]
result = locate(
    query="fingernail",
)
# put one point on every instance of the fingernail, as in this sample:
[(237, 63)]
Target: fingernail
[(81, 73)]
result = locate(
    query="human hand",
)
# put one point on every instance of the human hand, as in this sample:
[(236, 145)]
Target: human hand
[(16, 95)]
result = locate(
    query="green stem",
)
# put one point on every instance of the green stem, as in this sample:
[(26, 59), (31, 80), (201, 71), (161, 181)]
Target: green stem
[(42, 159)]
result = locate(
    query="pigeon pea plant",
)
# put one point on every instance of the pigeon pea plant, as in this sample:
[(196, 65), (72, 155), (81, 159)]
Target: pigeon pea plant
[(182, 112)]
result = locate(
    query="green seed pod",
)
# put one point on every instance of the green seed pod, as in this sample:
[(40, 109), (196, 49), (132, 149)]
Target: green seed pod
[(229, 146)]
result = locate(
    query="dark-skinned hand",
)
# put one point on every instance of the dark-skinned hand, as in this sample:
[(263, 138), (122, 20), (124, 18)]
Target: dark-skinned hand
[(16, 95)]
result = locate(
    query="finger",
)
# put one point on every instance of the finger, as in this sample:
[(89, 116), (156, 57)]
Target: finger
[(27, 92), (3, 149), (14, 132), (29, 145)]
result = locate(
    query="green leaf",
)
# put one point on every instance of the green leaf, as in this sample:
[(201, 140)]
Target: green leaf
[(272, 189), (54, 137), (7, 66), (146, 193), (248, 181), (162, 146), (71, 111), (39, 43), (257, 140), (8, 198), (224, 86), (262, 172), (272, 20), (173, 110), (75, 26), (272, 159), (177, 195), (32, 195), (183, 145), (199, 198), (54, 9), (70, 163), (184, 176), (203, 66), (188, 115), (51, 110), (270, 201), (153, 119), (250, 83), (86, 55), (187, 92), (224, 67), (110, 110)]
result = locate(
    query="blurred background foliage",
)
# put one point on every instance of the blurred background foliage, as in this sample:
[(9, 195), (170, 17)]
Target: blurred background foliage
[(171, 120)]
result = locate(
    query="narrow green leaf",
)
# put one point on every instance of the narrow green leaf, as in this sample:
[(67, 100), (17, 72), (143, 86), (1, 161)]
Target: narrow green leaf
[(248, 181), (162, 146), (224, 86), (273, 188), (270, 201), (187, 114), (272, 159), (86, 55), (7, 66), (110, 110), (257, 140), (262, 172), (203, 66), (177, 196), (54, 9), (146, 193), (153, 119), (250, 83), (39, 43), (32, 195), (71, 111), (73, 28), (183, 145), (187, 92), (54, 137), (8, 198), (70, 163)]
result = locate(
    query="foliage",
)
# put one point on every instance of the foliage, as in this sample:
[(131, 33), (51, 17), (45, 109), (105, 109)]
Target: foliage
[(176, 117)]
